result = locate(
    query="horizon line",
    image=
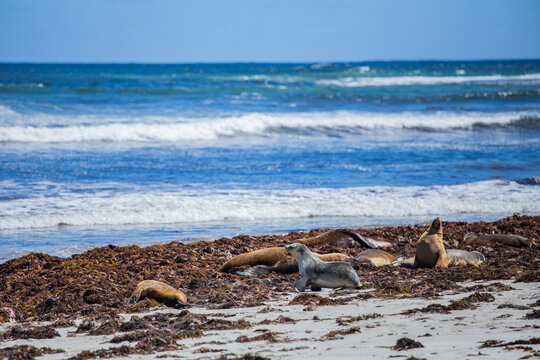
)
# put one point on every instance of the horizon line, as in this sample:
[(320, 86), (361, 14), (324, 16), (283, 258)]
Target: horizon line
[(252, 62)]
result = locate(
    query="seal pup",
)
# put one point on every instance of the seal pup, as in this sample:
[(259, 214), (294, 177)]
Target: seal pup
[(158, 291), (272, 256), (319, 274), (343, 237), (491, 239), (375, 257)]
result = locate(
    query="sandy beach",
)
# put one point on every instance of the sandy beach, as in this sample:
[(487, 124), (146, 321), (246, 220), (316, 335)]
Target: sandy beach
[(76, 307)]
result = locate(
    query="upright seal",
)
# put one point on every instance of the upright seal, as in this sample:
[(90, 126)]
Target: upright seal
[(430, 251)]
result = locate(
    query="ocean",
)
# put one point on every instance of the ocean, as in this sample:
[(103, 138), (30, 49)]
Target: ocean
[(96, 154)]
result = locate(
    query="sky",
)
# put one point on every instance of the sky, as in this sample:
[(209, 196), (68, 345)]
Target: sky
[(176, 31)]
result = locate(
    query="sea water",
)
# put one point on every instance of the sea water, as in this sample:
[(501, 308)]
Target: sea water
[(96, 154)]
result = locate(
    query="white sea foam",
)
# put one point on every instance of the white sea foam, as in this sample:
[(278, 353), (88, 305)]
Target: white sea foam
[(250, 124), (427, 80), (143, 206)]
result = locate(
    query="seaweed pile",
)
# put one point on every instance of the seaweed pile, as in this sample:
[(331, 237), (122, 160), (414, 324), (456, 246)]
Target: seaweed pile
[(41, 287)]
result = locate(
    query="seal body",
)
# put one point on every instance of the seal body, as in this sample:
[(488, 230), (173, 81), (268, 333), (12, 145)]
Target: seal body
[(463, 257), (375, 257), (273, 259), (430, 251), (342, 237), (158, 291), (319, 274), (491, 239), (267, 256)]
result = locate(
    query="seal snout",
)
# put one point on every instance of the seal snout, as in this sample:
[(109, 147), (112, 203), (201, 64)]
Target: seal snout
[(295, 249)]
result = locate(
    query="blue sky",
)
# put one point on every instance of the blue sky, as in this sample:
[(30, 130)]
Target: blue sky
[(266, 30)]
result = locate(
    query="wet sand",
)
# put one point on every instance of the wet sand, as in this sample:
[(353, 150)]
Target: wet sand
[(78, 304)]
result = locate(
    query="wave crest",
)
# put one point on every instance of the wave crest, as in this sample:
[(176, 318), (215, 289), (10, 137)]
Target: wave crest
[(427, 80), (259, 124), (99, 207)]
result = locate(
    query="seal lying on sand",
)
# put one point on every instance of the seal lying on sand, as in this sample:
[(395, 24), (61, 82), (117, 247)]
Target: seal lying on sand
[(342, 237), (490, 239), (430, 251), (158, 291), (319, 274), (272, 256)]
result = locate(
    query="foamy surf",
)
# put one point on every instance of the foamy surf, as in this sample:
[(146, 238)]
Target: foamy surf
[(251, 124), (221, 206), (428, 80)]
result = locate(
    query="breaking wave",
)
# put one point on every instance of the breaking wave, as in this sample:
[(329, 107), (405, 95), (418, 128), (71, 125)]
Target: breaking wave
[(167, 206), (427, 80), (255, 124)]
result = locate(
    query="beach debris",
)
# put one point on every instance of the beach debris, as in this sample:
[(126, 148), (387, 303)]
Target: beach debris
[(338, 334), (26, 352), (265, 336), (7, 314), (406, 343), (460, 304), (29, 332)]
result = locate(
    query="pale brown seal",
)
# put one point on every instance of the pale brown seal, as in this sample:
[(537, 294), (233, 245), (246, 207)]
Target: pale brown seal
[(430, 251), (270, 257), (375, 257), (158, 291)]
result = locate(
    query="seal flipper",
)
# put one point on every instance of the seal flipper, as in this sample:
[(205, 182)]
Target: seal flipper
[(363, 241), (301, 284), (409, 263), (290, 267)]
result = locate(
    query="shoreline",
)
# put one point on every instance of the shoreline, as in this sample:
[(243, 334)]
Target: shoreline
[(92, 288), (149, 235)]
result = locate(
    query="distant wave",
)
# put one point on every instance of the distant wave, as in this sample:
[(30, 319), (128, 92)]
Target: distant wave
[(257, 124), (101, 207), (426, 80)]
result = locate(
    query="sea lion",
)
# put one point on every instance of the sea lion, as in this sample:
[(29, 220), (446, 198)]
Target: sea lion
[(490, 239), (462, 257), (375, 257), (158, 291), (343, 237), (457, 258), (320, 274), (430, 251), (272, 256), (289, 267), (266, 256)]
